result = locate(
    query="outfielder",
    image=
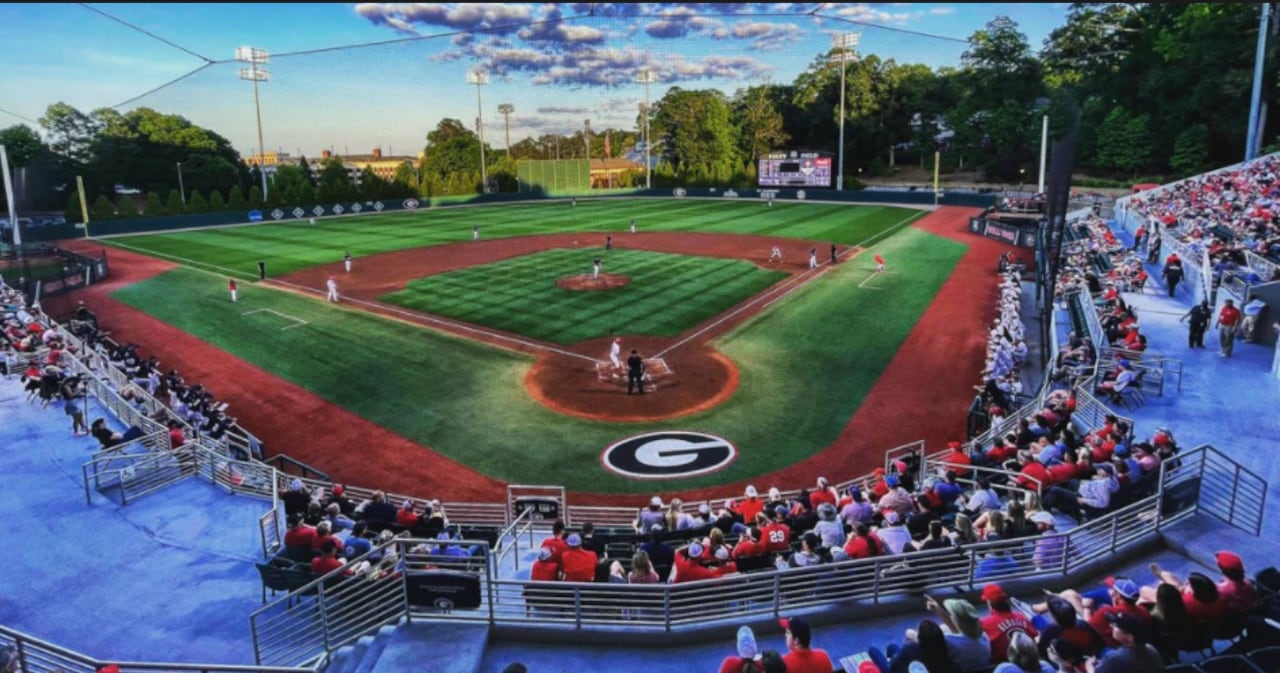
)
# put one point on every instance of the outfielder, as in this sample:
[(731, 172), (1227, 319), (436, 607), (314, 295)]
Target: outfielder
[(475, 233), (595, 270), (333, 290), (346, 260), (633, 225), (231, 285)]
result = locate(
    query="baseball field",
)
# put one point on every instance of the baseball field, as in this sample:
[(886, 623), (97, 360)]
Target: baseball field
[(453, 366)]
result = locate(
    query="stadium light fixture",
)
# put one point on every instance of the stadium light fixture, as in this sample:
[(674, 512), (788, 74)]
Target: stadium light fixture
[(647, 77), (256, 58), (505, 110), (844, 49), (256, 72), (480, 78)]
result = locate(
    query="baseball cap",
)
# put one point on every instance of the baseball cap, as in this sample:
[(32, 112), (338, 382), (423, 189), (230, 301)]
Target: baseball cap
[(994, 592), (799, 629), (544, 554), (574, 540), (704, 509), (1124, 586), (891, 517), (722, 553), (870, 667), (953, 445), (780, 510), (751, 492), (747, 648), (891, 481), (774, 493), (1044, 518), (915, 667), (338, 489), (1229, 561), (695, 549), (1121, 450), (655, 501)]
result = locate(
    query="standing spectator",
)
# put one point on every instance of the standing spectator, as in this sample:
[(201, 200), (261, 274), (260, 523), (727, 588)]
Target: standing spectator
[(1249, 326), (1172, 273), (801, 658), (1199, 316), (1228, 319), (1050, 547), (72, 390), (296, 499)]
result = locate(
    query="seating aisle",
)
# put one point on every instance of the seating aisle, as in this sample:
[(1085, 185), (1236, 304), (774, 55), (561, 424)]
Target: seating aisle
[(169, 577)]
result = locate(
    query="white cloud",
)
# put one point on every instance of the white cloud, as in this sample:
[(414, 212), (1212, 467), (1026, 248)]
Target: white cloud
[(942, 11)]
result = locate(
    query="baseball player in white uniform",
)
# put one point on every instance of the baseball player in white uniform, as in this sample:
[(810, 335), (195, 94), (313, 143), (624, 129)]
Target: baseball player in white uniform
[(615, 353), (813, 258), (346, 260), (775, 255), (633, 225), (333, 290), (595, 270), (475, 233)]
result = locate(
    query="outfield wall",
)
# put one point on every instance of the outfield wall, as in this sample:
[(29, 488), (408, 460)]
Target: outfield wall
[(923, 197)]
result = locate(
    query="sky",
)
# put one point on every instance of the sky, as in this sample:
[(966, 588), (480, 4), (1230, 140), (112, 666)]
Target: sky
[(406, 64)]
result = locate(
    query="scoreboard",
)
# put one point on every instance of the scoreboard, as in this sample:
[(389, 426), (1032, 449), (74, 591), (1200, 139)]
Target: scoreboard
[(794, 168)]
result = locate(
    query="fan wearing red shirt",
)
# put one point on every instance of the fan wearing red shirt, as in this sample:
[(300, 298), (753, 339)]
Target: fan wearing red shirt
[(822, 493), (957, 459), (750, 545), (800, 658), (544, 569), (1228, 318), (556, 541), (751, 504), (328, 561), (1031, 468), (690, 569), (1003, 622), (776, 536), (299, 534), (324, 535), (1124, 596), (747, 651), (577, 564)]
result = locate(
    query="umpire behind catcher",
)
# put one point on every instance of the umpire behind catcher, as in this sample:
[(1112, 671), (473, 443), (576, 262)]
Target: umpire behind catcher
[(635, 372)]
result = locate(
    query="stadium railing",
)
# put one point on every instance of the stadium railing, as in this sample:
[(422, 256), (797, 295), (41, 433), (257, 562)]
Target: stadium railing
[(1202, 480), (1161, 371), (38, 656)]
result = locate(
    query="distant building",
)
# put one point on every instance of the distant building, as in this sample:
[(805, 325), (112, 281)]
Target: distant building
[(613, 173), (268, 159), (384, 167)]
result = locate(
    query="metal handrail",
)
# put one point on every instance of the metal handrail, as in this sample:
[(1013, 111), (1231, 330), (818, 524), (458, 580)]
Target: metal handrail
[(40, 656)]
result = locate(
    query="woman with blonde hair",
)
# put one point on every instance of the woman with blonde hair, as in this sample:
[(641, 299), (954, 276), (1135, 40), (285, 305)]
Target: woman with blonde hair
[(674, 514), (964, 533), (1023, 657)]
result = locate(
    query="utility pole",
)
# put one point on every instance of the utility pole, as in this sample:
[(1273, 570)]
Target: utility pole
[(480, 78)]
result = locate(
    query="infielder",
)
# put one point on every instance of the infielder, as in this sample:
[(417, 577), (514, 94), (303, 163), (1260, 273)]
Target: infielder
[(346, 260), (633, 225), (879, 264), (595, 270), (475, 233), (333, 290), (813, 258), (615, 353), (775, 255), (313, 221), (231, 285)]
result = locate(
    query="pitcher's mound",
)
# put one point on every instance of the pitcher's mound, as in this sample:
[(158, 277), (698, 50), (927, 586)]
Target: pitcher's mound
[(584, 282)]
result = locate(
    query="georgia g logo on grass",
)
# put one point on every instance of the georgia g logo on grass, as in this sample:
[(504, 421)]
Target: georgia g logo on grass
[(668, 455)]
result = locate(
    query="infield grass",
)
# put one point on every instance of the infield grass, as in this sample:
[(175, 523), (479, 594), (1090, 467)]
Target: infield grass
[(667, 294), (806, 365), (288, 247)]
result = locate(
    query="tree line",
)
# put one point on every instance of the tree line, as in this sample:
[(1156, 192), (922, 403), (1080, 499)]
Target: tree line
[(1161, 91)]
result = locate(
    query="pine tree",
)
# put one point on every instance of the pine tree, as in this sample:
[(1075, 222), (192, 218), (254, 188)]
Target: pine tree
[(155, 207), (216, 202), (197, 204), (255, 198), (126, 209), (235, 200), (174, 204), (72, 211), (102, 209)]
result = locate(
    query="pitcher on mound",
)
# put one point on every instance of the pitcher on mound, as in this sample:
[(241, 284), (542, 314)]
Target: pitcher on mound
[(615, 354)]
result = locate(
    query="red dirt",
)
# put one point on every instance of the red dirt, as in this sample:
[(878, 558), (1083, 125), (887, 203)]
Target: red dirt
[(923, 394), (585, 283)]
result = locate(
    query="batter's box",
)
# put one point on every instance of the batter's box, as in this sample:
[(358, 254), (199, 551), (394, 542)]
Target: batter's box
[(656, 374)]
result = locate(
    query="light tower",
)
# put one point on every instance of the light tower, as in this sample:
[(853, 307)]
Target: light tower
[(256, 58), (505, 110), (480, 78), (844, 50), (647, 77)]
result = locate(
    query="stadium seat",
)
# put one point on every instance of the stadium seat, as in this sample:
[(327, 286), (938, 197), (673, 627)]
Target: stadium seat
[(1266, 658), (280, 574), (1231, 663), (443, 590)]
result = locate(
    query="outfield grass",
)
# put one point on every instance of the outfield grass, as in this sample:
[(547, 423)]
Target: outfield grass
[(297, 245), (806, 364), (668, 294)]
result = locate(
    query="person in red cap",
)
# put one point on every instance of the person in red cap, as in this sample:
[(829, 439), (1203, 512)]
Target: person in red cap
[(1234, 594), (1236, 590), (957, 459), (800, 657), (231, 285), (1003, 621), (879, 263)]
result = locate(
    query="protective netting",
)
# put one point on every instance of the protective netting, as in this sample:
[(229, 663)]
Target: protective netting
[(562, 69)]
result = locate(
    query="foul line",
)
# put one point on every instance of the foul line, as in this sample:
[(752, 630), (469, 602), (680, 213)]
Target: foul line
[(286, 316), (184, 260), (423, 317)]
